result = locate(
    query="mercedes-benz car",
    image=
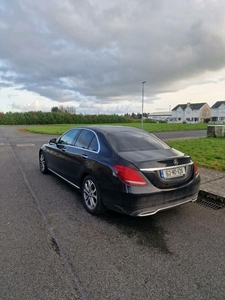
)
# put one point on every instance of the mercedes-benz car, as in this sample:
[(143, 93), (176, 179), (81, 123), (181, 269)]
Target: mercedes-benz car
[(121, 168)]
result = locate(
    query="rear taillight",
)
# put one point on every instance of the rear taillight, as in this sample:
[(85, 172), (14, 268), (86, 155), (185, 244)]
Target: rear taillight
[(129, 176), (196, 172)]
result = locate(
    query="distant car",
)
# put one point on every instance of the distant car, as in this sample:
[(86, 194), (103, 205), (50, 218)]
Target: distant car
[(120, 168)]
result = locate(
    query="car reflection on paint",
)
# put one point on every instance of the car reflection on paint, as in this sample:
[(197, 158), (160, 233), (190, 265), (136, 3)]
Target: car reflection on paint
[(120, 168)]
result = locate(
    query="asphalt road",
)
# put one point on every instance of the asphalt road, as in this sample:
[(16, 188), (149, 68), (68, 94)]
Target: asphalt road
[(181, 134), (51, 248)]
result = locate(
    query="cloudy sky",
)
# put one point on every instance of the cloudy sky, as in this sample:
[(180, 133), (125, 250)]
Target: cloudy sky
[(95, 54)]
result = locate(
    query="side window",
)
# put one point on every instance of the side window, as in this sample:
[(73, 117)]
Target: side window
[(94, 144), (84, 139), (69, 137)]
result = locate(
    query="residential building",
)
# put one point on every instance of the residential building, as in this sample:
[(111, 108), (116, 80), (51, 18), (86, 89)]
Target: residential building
[(191, 113), (218, 111)]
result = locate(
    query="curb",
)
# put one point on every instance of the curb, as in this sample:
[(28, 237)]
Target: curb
[(211, 196)]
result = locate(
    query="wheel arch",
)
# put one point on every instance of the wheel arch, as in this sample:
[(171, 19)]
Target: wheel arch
[(85, 174), (99, 208)]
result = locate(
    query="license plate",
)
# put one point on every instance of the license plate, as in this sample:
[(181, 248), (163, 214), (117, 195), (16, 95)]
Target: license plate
[(173, 172)]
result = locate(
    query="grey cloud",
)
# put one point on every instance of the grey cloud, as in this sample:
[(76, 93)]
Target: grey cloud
[(76, 50), (5, 84)]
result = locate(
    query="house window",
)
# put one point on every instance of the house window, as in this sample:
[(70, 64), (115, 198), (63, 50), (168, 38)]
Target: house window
[(214, 119), (196, 119)]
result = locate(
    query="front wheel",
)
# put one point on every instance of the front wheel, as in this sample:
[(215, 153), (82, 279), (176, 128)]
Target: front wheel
[(91, 196), (42, 163)]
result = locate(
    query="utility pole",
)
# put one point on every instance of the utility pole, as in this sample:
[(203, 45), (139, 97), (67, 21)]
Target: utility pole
[(143, 83)]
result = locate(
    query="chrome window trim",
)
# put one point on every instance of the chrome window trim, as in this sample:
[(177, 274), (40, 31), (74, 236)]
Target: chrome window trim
[(165, 168), (72, 129), (85, 148), (96, 138)]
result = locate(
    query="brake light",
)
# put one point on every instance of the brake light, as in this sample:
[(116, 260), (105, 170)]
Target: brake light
[(196, 172), (129, 176)]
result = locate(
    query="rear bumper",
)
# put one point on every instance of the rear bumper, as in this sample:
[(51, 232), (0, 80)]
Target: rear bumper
[(153, 210), (151, 203)]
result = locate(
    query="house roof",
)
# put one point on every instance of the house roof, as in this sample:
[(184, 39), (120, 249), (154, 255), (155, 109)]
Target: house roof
[(193, 106), (196, 105), (161, 113), (218, 104), (183, 106)]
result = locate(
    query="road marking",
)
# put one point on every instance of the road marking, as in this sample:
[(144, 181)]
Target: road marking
[(25, 145), (2, 144)]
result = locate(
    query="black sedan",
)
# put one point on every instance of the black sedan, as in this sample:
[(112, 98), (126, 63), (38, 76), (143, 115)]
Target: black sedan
[(120, 168)]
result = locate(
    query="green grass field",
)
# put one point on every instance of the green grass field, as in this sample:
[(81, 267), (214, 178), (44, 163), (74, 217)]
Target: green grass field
[(150, 127), (206, 152)]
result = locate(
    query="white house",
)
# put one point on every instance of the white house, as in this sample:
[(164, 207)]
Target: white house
[(191, 112), (218, 111)]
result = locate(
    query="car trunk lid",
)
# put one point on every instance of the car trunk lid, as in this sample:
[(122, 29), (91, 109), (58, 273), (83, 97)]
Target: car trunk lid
[(164, 168)]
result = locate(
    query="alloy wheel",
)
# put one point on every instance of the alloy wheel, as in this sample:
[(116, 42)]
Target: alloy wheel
[(90, 194), (42, 162)]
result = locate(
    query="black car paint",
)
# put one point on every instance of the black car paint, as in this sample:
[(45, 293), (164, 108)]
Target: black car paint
[(73, 164)]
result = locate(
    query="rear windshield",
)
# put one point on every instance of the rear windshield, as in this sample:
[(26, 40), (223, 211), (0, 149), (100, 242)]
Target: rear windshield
[(132, 141)]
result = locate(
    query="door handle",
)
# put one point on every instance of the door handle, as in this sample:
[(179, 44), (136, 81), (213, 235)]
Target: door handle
[(84, 156), (61, 147)]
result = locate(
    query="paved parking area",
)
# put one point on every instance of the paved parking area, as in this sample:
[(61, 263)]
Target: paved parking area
[(51, 248)]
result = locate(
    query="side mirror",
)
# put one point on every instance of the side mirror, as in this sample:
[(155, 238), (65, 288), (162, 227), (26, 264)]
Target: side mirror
[(52, 141)]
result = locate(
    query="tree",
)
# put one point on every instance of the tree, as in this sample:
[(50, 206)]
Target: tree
[(55, 109)]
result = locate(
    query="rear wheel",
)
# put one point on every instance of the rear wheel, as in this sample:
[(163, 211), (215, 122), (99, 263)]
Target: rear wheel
[(43, 163), (91, 196)]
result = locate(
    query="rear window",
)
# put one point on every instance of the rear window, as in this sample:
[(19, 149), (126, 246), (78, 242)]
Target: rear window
[(132, 141)]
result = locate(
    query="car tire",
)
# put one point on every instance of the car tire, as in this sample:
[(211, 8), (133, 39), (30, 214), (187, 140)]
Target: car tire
[(91, 196), (42, 163)]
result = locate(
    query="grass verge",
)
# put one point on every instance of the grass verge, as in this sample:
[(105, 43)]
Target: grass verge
[(150, 127), (206, 152)]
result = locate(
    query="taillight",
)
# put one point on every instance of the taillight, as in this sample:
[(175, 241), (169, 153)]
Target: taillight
[(129, 176), (196, 172)]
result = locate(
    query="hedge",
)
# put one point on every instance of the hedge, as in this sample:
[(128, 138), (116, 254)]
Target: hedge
[(39, 117)]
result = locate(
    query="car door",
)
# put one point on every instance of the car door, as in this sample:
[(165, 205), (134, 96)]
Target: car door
[(79, 157), (57, 153)]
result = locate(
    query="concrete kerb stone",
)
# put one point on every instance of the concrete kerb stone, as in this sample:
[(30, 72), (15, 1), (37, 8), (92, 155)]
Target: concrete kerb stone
[(216, 131), (212, 185), (211, 196)]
